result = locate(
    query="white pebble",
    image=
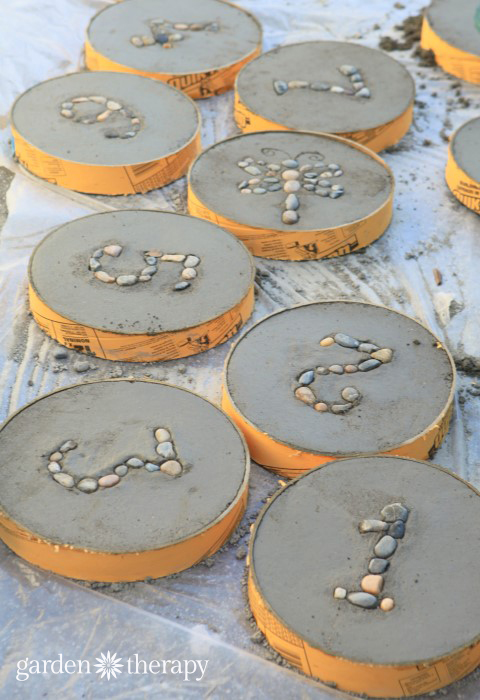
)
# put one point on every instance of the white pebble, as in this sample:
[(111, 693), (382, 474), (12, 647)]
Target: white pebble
[(65, 480), (67, 113), (291, 186), (67, 446), (98, 99), (136, 40), (364, 92), (135, 462), (339, 593), (162, 435), (297, 84), (144, 278), (87, 485), (253, 170), (290, 175), (337, 88), (290, 217), (292, 202), (175, 37), (54, 467), (172, 468), (189, 273), (148, 40), (113, 106), (126, 280)]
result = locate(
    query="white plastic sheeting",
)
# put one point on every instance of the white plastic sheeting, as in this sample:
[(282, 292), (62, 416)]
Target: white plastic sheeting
[(201, 613)]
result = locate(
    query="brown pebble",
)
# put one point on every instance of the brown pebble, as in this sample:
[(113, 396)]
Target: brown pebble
[(305, 394), (437, 276), (350, 369), (372, 583), (108, 480), (320, 406), (326, 342), (387, 604)]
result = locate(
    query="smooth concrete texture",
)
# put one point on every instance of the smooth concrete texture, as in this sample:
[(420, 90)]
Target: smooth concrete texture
[(112, 421), (308, 543), (215, 177), (391, 85), (169, 119), (465, 147), (59, 272), (399, 400), (111, 29), (454, 22)]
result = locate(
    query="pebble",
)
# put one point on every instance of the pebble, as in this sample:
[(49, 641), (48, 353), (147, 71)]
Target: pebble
[(65, 480), (242, 163), (338, 188), (80, 99), (254, 181), (336, 369), (309, 187), (324, 183), (189, 273), (98, 253), (385, 547), (363, 600), (243, 184), (306, 395), (319, 86), (259, 190), (280, 87), (372, 526), (292, 202), (355, 77), (67, 113), (151, 260), (368, 365), (368, 347), (291, 186), (126, 280), (311, 176), (191, 261), (172, 468), (135, 462), (321, 407), (113, 106), (113, 250), (290, 163), (55, 456), (392, 512), (67, 446), (246, 190), (87, 485), (151, 467), (290, 217), (358, 85), (340, 408), (67, 105), (322, 193), (290, 175), (104, 115), (108, 480), (54, 467), (253, 170), (338, 173), (136, 40), (326, 173), (173, 258), (297, 84), (135, 120), (180, 25), (307, 377), (181, 285), (348, 70), (384, 355), (350, 394), (336, 195), (346, 341), (322, 370), (144, 278), (121, 470), (161, 38), (162, 435), (364, 92), (387, 604), (94, 265), (275, 188), (326, 342), (148, 40), (378, 566), (351, 369), (340, 593), (337, 88), (150, 270), (104, 276), (372, 583), (274, 166), (175, 37), (397, 529), (165, 450), (81, 366)]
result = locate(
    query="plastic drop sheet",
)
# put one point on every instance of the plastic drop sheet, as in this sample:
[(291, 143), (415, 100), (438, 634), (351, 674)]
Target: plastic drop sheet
[(201, 613)]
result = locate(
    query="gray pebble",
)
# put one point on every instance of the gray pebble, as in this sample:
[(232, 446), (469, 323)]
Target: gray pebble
[(274, 166), (166, 450), (253, 170), (135, 462), (311, 176), (372, 525), (87, 485), (94, 265), (363, 92), (271, 179), (350, 394), (368, 365), (98, 253), (397, 529), (333, 166), (67, 446), (363, 600), (322, 193), (368, 347), (318, 86), (336, 369), (340, 408), (338, 188), (336, 195), (280, 87), (243, 184), (290, 217), (121, 470), (60, 354), (322, 370), (81, 366), (151, 467), (191, 261), (150, 270), (394, 511), (309, 187), (292, 202), (65, 480), (355, 77), (378, 566), (150, 260), (275, 188), (307, 377), (346, 341), (324, 183), (181, 285), (347, 69), (126, 280), (259, 190), (385, 547), (290, 163)]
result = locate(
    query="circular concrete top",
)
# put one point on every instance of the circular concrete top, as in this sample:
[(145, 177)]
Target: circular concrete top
[(60, 275), (456, 23), (398, 400), (228, 35), (112, 421), (392, 89), (465, 146), (169, 119), (215, 177), (307, 543)]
